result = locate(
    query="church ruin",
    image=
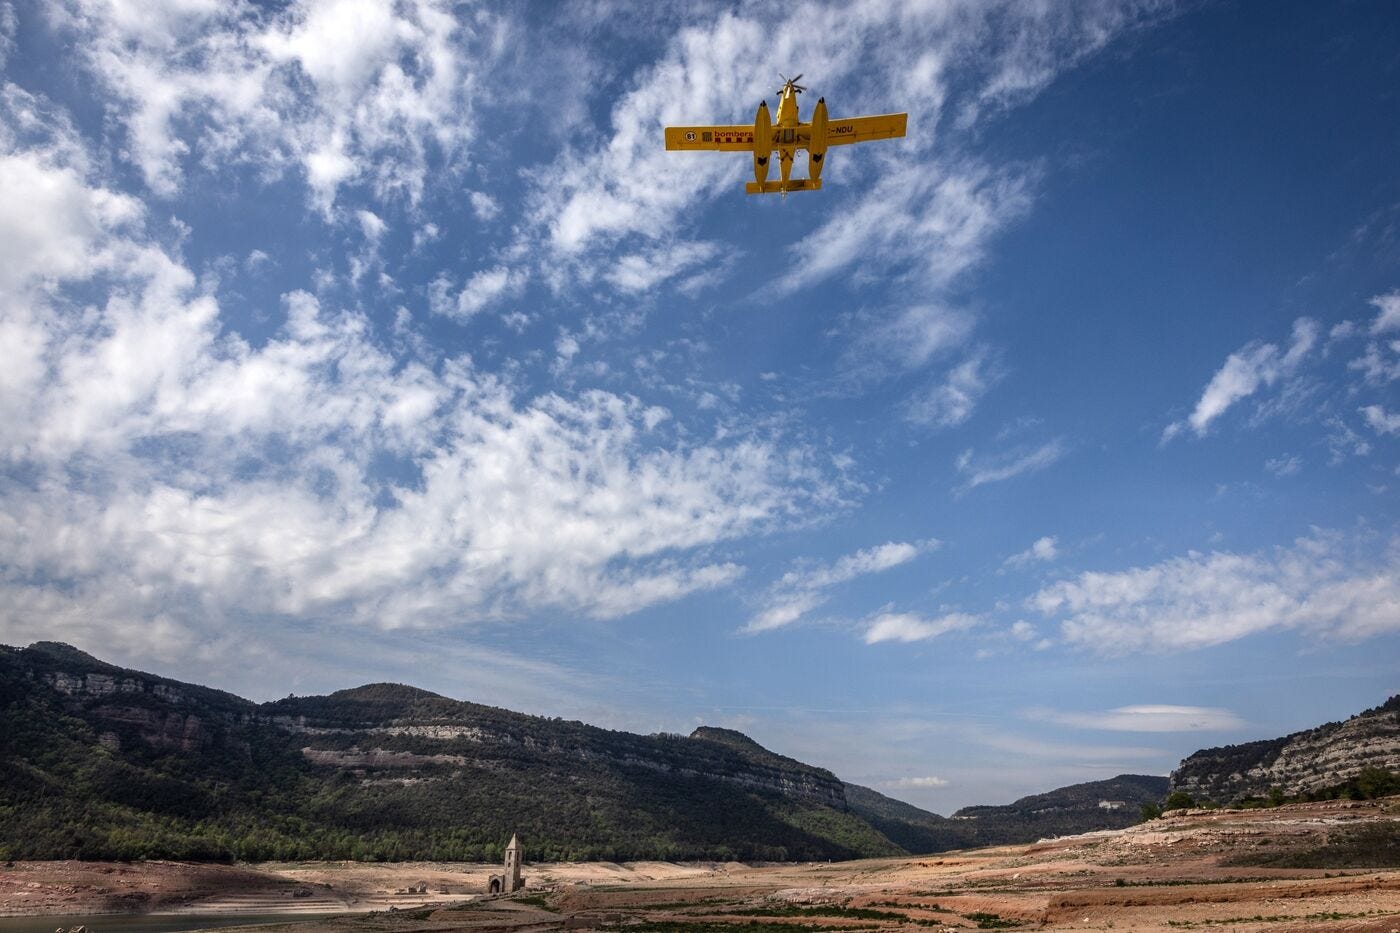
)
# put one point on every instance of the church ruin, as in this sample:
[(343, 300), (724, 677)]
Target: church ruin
[(510, 881)]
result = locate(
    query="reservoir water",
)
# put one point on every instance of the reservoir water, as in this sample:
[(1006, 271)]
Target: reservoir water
[(148, 923)]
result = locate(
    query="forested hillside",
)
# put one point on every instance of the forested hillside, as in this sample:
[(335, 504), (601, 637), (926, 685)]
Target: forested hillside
[(97, 761), (1111, 804)]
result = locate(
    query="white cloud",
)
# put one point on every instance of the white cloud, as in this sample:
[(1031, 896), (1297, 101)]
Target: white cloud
[(784, 610), (1145, 718), (951, 402), (932, 222), (1008, 465), (910, 627), (931, 780), (1032, 52), (800, 591), (566, 347), (639, 272), (908, 338), (930, 225), (1377, 366), (1381, 421), (371, 225), (871, 560), (1042, 550), (484, 206), (1388, 313), (1343, 442), (349, 90), (1284, 464), (1323, 585), (9, 25), (485, 288), (1245, 371), (425, 234)]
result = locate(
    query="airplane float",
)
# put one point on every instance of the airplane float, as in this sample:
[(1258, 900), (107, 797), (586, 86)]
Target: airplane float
[(786, 135)]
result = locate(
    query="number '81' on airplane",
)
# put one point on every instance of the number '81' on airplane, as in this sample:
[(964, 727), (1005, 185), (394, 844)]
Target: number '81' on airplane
[(785, 136)]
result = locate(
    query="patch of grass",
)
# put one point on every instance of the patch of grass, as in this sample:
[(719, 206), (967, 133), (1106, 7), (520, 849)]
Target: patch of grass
[(831, 910), (533, 900), (1275, 918), (986, 921), (1374, 846), (1180, 882), (421, 913), (753, 926), (931, 908), (818, 910), (682, 905)]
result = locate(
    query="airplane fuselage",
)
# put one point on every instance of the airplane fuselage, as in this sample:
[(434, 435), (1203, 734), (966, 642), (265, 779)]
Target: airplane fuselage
[(787, 107), (786, 138)]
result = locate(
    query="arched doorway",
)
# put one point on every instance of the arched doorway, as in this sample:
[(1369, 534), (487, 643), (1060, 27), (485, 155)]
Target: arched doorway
[(495, 887)]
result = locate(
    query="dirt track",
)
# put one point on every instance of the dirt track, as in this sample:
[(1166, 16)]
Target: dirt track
[(1169, 875)]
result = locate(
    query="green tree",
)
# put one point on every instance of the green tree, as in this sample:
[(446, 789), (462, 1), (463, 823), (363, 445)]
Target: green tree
[(1178, 800), (1375, 782)]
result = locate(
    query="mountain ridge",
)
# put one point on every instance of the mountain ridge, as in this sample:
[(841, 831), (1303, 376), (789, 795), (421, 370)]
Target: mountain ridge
[(1298, 763), (102, 761)]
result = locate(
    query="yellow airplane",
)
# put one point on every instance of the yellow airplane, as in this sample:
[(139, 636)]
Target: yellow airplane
[(786, 136)]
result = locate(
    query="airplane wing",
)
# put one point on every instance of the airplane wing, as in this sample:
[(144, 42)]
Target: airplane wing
[(862, 129), (739, 137), (721, 138)]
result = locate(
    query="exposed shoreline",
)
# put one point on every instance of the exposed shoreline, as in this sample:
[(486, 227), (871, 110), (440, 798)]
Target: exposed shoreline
[(55, 888)]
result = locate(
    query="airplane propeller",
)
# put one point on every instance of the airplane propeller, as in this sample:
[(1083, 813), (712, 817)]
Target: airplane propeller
[(793, 81)]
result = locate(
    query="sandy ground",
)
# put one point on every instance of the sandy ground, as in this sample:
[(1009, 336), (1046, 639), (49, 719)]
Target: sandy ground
[(1163, 876), (37, 888)]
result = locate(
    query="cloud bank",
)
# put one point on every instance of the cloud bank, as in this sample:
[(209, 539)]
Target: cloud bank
[(1144, 718), (166, 478), (1326, 585)]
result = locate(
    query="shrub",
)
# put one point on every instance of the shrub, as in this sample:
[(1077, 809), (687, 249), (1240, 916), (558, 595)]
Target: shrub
[(1178, 800)]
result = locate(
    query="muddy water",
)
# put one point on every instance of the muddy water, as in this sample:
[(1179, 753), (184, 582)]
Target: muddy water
[(147, 923)]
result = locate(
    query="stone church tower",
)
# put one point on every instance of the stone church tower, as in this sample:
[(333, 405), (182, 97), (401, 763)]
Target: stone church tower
[(513, 880), (510, 881)]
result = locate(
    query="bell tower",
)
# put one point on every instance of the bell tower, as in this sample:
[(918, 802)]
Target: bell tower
[(512, 879)]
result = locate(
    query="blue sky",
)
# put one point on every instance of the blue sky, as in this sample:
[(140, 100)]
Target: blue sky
[(352, 341)]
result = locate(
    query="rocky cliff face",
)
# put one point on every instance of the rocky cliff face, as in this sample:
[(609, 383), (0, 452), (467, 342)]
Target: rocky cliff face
[(420, 729), (131, 707), (443, 731), (1299, 763)]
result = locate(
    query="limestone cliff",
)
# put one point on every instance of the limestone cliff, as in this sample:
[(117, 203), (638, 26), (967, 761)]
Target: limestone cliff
[(1300, 763)]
